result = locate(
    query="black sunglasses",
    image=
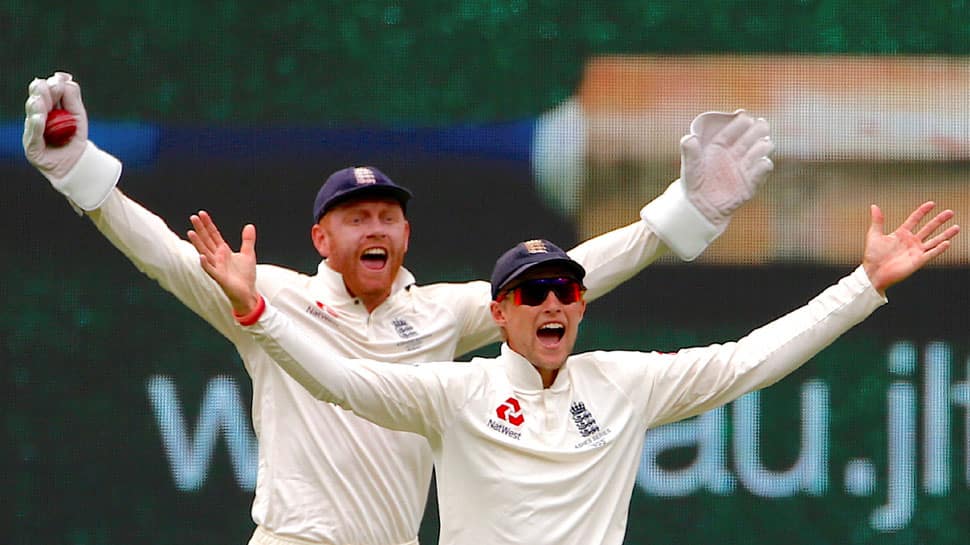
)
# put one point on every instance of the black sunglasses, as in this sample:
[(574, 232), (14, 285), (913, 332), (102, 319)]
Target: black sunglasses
[(534, 292)]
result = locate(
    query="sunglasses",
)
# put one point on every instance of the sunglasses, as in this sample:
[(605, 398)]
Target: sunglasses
[(534, 292)]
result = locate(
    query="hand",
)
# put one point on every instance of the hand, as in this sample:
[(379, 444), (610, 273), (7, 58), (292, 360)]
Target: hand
[(889, 259), (43, 96), (724, 160), (235, 272)]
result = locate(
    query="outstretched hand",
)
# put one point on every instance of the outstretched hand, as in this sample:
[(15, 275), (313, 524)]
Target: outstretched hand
[(889, 259), (235, 272), (724, 160)]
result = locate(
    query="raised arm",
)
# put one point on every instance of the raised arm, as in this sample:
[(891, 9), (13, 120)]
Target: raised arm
[(87, 177), (724, 160), (700, 379), (78, 169), (403, 397)]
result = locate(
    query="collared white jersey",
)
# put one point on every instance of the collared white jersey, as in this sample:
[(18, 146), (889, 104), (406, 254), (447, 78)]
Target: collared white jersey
[(519, 464), (325, 475)]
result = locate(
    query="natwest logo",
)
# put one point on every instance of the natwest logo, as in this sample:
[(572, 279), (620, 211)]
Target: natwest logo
[(322, 311), (328, 310), (510, 412)]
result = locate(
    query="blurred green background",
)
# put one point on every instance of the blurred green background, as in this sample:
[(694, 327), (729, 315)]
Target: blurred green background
[(413, 62)]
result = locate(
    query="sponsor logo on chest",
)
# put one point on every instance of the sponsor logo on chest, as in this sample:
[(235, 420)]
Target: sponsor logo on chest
[(404, 329), (510, 417), (321, 311)]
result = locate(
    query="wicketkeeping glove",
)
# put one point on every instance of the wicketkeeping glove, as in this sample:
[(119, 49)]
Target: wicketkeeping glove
[(724, 160), (78, 169)]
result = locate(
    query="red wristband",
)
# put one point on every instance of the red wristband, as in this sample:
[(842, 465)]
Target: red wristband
[(252, 317)]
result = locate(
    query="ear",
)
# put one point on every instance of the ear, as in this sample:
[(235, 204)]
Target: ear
[(407, 235), (498, 315), (320, 241)]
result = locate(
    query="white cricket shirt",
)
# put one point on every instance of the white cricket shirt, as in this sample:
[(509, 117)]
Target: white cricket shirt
[(326, 475), (519, 464)]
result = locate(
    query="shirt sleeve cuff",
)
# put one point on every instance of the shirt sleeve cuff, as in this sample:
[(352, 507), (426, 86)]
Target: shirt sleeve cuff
[(860, 282), (247, 320), (679, 223)]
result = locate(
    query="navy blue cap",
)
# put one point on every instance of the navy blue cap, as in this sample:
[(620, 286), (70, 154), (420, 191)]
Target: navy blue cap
[(356, 183), (526, 255)]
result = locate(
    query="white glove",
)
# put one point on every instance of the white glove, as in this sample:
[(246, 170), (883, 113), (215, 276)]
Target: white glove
[(44, 96), (724, 160), (78, 169)]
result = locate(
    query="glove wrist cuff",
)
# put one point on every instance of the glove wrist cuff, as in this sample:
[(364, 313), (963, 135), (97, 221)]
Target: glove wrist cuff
[(679, 224), (91, 179)]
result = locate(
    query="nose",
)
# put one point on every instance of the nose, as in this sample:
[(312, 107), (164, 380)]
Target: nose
[(376, 229), (551, 302)]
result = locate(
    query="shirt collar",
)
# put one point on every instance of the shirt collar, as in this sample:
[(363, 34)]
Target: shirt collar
[(333, 282), (523, 375)]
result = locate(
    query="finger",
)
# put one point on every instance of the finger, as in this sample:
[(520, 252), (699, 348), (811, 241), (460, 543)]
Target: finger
[(248, 246), (56, 84), (208, 267), (690, 145), (917, 216), (210, 227), (35, 119), (202, 235), (877, 222), (945, 236), (71, 98), (709, 123), (197, 243), (934, 252), (935, 224), (33, 138), (759, 130), (759, 150), (39, 99), (758, 172), (733, 131), (690, 156)]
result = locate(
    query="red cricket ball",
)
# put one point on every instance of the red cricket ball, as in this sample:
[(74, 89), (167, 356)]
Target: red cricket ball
[(60, 127)]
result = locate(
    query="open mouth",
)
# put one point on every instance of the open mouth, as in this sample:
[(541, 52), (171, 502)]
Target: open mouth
[(550, 334), (374, 258)]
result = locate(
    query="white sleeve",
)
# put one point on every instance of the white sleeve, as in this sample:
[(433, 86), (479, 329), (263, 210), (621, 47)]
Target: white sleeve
[(159, 253), (696, 380), (609, 259), (616, 256), (470, 304), (418, 398)]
